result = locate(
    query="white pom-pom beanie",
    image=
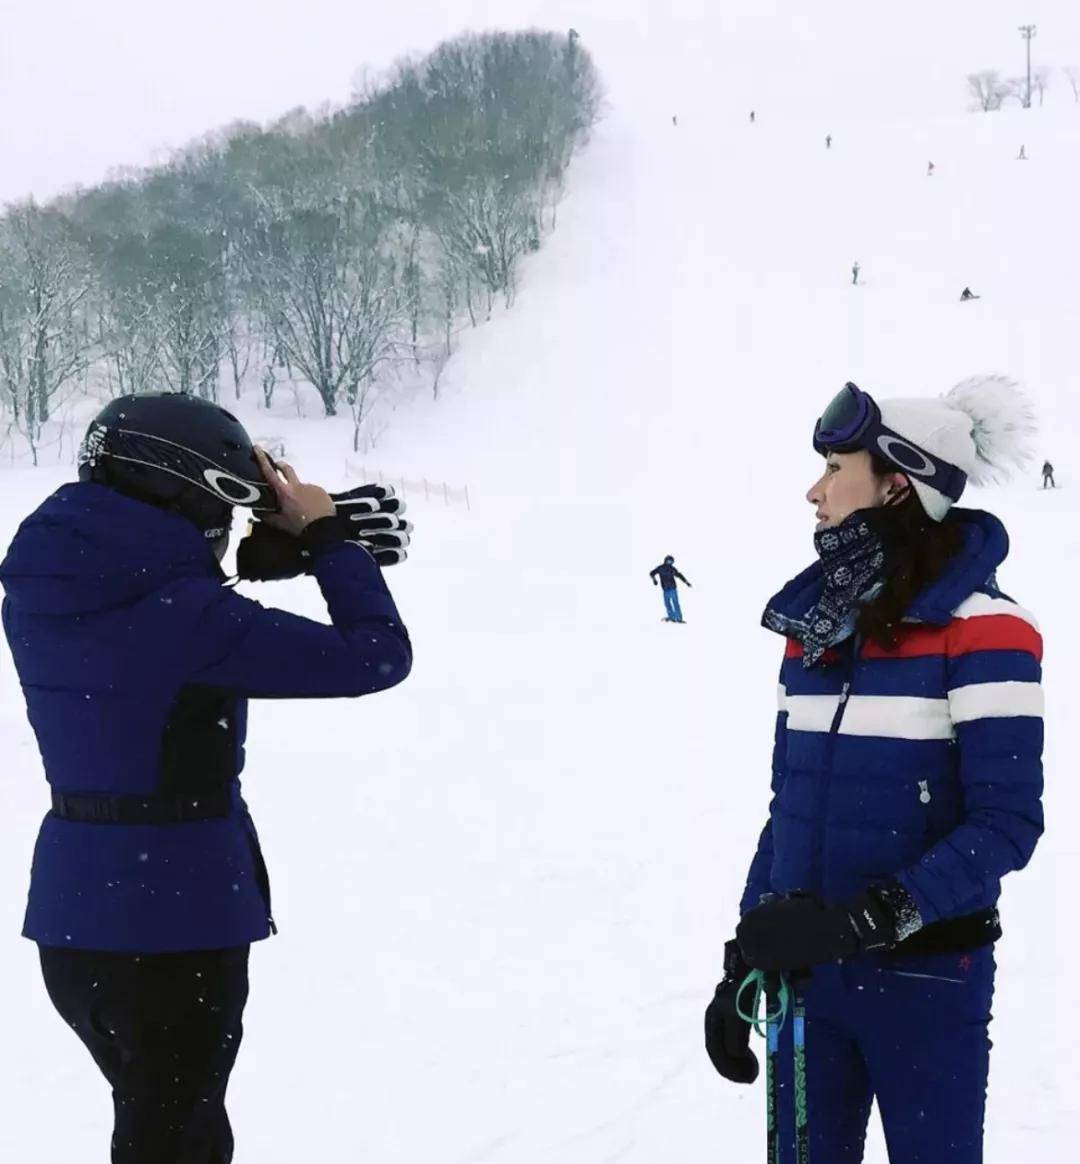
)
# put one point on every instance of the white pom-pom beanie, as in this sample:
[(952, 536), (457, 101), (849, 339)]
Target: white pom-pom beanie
[(983, 426)]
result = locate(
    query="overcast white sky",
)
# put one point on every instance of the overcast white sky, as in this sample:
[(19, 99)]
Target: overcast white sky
[(88, 84)]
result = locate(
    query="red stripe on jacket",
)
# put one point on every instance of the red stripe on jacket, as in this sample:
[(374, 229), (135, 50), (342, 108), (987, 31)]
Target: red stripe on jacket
[(963, 636)]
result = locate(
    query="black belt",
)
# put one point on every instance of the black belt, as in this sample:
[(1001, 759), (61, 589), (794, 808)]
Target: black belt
[(134, 810), (955, 935)]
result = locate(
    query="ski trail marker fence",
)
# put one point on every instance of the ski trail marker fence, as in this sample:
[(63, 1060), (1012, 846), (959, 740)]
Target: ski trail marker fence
[(449, 495)]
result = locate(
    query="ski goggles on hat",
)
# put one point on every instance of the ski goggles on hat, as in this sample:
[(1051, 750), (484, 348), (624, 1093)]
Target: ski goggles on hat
[(853, 421)]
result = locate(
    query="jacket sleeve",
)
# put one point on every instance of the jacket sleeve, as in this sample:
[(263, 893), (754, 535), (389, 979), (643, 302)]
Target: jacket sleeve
[(681, 578), (653, 572), (256, 651), (759, 879), (996, 705)]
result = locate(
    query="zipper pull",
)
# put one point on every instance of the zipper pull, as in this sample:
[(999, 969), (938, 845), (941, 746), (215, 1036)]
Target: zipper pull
[(924, 791), (844, 690)]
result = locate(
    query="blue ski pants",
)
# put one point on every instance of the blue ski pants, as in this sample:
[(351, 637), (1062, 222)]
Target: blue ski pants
[(671, 604), (909, 1031)]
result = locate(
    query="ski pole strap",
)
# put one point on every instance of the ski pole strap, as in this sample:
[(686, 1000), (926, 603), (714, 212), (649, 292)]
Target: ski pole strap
[(761, 984)]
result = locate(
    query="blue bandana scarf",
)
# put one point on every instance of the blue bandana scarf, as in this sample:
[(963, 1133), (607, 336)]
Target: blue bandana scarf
[(852, 559)]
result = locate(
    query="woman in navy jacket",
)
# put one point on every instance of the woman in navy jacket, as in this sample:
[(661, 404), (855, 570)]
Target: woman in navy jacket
[(906, 780), (148, 884)]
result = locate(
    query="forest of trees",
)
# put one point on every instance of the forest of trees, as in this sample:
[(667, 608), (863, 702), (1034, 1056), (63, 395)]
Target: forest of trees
[(323, 247)]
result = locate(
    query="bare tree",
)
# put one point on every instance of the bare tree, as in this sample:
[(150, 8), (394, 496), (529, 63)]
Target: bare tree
[(1040, 81), (988, 89), (1072, 72), (488, 230), (326, 283), (44, 337), (112, 222), (239, 346), (185, 282), (361, 396), (128, 342), (1016, 89)]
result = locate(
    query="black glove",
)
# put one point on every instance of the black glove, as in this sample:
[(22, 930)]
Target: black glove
[(370, 515), (727, 1036), (796, 932), (374, 515)]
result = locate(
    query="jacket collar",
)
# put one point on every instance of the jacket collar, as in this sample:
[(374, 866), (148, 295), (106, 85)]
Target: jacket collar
[(986, 545)]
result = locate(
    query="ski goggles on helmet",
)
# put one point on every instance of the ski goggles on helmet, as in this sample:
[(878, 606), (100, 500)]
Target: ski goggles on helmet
[(853, 421)]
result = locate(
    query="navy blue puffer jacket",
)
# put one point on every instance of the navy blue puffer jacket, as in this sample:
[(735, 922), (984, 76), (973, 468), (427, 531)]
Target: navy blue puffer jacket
[(136, 664)]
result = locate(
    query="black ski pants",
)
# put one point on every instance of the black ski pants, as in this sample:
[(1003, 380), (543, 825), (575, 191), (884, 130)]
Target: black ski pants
[(164, 1029)]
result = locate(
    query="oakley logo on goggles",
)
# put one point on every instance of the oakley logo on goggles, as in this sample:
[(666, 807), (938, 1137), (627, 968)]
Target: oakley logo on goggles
[(853, 421)]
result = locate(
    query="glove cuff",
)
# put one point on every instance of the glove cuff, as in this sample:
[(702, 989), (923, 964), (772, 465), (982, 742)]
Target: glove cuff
[(884, 915), (906, 917), (326, 531)]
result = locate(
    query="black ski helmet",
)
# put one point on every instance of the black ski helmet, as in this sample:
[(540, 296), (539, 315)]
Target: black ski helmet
[(179, 452), (669, 561)]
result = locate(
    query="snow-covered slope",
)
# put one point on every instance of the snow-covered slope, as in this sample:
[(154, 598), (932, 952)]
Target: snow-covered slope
[(535, 846)]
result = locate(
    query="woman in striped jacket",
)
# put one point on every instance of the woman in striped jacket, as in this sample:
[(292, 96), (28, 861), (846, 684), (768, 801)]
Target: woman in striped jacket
[(906, 782)]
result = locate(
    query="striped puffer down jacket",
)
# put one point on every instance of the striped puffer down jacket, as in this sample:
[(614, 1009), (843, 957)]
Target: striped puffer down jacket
[(923, 763)]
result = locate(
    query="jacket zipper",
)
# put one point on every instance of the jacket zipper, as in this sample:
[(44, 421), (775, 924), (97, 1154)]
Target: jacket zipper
[(826, 778)]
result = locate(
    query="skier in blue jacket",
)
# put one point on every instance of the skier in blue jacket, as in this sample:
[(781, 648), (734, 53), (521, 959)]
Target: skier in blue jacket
[(906, 781), (664, 576), (136, 661)]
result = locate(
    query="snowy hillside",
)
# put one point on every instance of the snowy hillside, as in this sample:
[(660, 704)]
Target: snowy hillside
[(537, 843)]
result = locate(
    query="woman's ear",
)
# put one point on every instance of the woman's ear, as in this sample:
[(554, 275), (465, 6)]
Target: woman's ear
[(899, 488)]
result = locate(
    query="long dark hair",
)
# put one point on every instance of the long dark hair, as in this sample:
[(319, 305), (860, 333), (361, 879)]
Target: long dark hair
[(917, 550)]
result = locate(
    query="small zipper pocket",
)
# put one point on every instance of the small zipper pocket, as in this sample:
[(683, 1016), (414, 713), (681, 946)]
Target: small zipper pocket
[(928, 977)]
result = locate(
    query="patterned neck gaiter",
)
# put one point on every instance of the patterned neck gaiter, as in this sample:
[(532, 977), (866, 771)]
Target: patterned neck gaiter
[(852, 560)]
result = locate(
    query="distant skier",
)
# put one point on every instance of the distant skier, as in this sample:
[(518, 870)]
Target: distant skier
[(929, 169), (967, 293), (664, 575), (1048, 475), (855, 269), (1021, 156), (674, 119), (753, 117), (828, 141)]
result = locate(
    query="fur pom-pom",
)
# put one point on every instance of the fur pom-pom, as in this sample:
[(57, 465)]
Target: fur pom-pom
[(1002, 425)]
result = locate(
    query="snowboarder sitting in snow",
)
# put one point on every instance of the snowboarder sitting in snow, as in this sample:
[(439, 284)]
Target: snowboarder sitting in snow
[(137, 662), (967, 294), (1048, 475), (664, 575), (906, 781)]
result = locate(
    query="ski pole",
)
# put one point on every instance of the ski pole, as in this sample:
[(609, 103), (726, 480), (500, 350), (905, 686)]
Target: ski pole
[(777, 1001), (802, 1121), (773, 1020)]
